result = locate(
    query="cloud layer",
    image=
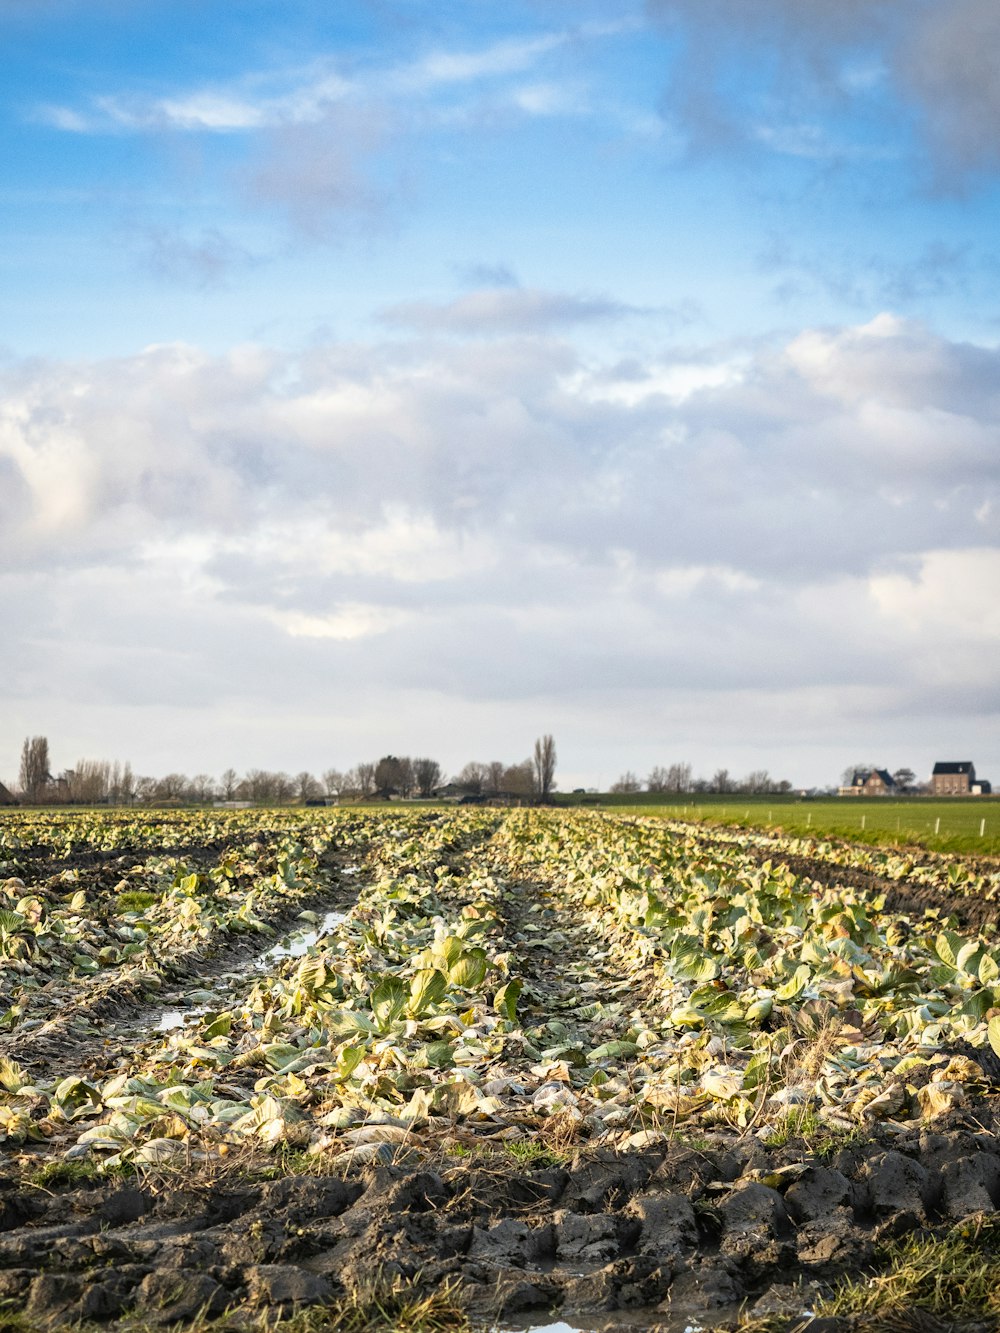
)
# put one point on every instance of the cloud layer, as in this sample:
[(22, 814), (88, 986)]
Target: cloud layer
[(509, 525)]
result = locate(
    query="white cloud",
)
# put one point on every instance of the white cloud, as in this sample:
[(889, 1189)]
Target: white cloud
[(949, 597), (307, 95), (350, 620), (498, 528)]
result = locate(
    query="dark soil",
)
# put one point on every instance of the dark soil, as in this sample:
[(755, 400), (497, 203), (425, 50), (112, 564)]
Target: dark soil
[(673, 1229)]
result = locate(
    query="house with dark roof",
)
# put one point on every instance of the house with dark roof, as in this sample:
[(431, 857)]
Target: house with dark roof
[(958, 778), (870, 782)]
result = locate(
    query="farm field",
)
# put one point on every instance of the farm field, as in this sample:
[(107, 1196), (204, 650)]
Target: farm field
[(969, 825), (347, 1069)]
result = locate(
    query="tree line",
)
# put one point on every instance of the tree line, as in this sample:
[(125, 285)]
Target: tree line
[(679, 778), (109, 782)]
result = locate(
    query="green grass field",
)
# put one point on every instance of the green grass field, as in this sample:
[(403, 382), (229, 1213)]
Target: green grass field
[(969, 825)]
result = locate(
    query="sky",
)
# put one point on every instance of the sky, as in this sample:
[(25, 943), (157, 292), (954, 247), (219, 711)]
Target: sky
[(424, 376)]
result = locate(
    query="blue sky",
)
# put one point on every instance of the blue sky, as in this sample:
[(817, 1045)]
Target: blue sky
[(627, 371)]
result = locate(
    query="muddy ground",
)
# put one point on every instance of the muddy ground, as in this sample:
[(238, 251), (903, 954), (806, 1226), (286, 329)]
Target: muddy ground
[(681, 1230)]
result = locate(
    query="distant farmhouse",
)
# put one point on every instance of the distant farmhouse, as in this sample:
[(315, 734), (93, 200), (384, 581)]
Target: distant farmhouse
[(958, 779), (870, 782), (5, 796)]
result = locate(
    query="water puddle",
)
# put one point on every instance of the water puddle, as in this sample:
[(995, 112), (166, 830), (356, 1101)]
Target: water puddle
[(667, 1320), (298, 944), (218, 992)]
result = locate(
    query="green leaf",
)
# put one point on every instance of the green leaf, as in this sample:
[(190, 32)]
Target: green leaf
[(11, 921), (689, 961), (969, 957), (75, 1097), (449, 951), (614, 1050), (388, 1001), (759, 1010), (427, 987), (311, 974), (218, 1025), (348, 1059), (470, 970), (506, 998), (440, 1054), (799, 979), (943, 946), (12, 1076)]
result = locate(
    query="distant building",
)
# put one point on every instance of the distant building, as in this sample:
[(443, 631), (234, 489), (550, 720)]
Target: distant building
[(958, 779), (870, 782)]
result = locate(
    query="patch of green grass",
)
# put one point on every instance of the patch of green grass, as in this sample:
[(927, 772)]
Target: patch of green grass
[(51, 1175), (532, 1153), (954, 1276), (289, 1162), (135, 900), (821, 1139), (799, 1123)]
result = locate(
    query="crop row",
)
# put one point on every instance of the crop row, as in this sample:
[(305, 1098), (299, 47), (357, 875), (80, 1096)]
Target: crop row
[(497, 976)]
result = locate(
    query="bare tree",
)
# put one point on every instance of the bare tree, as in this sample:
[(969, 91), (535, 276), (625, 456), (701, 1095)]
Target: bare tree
[(306, 787), (427, 773), (406, 777), (519, 779), (258, 786), (545, 767), (122, 788), (391, 776), (473, 777), (628, 782), (202, 787), (172, 787), (89, 783), (35, 767)]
